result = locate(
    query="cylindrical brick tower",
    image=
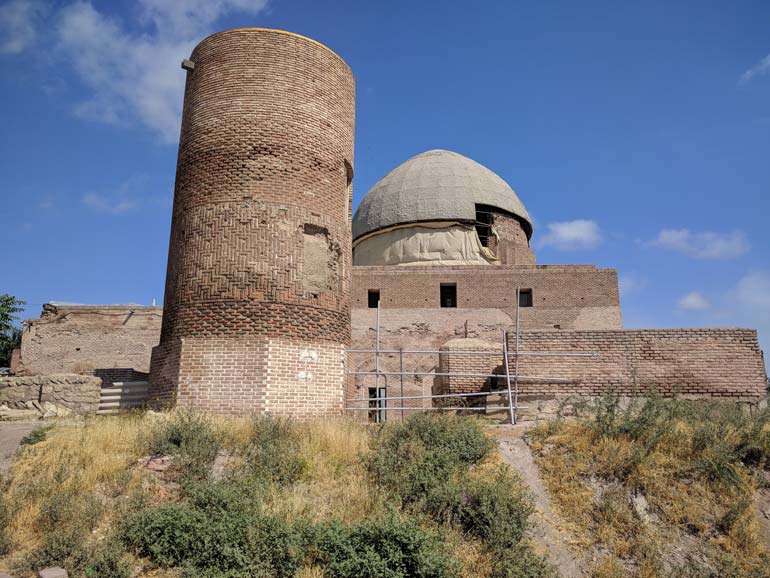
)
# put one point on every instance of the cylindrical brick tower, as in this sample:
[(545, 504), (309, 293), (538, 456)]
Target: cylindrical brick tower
[(256, 315)]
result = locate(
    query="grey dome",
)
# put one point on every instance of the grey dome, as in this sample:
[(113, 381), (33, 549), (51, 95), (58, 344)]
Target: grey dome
[(436, 185)]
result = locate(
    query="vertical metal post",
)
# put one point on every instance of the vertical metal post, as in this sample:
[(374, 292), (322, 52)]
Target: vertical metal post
[(516, 358), (401, 371), (508, 377), (377, 365)]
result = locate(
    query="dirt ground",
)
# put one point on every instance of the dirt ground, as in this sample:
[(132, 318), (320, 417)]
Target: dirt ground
[(11, 433), (547, 535)]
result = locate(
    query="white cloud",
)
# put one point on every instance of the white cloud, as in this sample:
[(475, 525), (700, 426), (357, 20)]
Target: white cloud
[(630, 283), (753, 293), (106, 204), (19, 20), (125, 198), (706, 245), (137, 76), (762, 67), (572, 235), (694, 301)]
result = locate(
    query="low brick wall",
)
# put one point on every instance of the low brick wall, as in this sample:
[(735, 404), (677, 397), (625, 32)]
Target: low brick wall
[(705, 362), (78, 393), (458, 363)]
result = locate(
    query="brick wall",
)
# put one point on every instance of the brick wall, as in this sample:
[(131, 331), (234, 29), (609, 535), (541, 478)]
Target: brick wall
[(260, 245), (511, 244), (707, 362), (89, 339), (469, 364), (567, 296)]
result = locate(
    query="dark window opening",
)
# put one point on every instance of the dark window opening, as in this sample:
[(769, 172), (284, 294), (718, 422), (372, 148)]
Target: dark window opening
[(484, 221), (525, 298), (448, 295), (374, 298), (377, 407)]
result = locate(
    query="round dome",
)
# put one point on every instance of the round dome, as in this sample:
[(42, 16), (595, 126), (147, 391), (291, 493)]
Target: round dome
[(436, 185)]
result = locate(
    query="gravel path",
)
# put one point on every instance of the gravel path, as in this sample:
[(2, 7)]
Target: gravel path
[(546, 535), (11, 433)]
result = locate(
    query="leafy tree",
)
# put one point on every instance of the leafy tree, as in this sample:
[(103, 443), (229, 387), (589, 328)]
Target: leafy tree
[(10, 334)]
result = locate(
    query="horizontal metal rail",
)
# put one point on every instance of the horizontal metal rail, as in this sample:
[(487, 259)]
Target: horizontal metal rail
[(510, 354), (450, 374), (458, 408), (438, 395)]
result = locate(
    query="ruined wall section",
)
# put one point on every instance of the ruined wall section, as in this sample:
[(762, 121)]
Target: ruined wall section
[(111, 342), (260, 245)]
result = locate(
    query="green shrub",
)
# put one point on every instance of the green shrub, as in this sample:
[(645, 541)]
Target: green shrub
[(107, 560), (495, 510), (5, 519), (273, 451), (221, 532), (521, 562), (37, 435), (389, 547), (416, 459), (190, 438)]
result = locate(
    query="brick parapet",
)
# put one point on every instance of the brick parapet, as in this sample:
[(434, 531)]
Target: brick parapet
[(699, 362)]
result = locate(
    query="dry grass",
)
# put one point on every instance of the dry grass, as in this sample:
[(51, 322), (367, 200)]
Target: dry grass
[(94, 457), (644, 505)]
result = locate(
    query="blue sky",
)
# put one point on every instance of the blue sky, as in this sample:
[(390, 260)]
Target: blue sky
[(636, 133)]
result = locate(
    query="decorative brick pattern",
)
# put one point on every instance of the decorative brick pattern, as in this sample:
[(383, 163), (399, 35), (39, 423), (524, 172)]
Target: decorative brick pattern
[(263, 189)]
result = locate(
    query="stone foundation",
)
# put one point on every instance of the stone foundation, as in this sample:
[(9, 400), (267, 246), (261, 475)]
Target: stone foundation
[(77, 393)]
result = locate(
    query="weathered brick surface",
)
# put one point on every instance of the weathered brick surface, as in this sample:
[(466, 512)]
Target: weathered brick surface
[(704, 362), (455, 363), (103, 340), (510, 244), (565, 296), (263, 179)]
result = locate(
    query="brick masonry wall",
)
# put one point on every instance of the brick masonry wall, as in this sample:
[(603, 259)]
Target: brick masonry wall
[(511, 244), (260, 245), (459, 363), (88, 339), (565, 297), (708, 362)]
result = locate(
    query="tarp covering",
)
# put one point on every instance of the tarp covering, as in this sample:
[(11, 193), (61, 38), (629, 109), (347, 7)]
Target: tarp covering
[(441, 243)]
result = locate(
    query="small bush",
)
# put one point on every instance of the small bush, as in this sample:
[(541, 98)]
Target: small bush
[(5, 519), (190, 438), (221, 532), (390, 547), (273, 450), (67, 520), (417, 458), (495, 510), (37, 435), (107, 561), (521, 562)]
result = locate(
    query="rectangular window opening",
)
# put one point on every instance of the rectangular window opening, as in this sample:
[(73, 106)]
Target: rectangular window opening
[(448, 295), (377, 407), (484, 221), (374, 298), (525, 298)]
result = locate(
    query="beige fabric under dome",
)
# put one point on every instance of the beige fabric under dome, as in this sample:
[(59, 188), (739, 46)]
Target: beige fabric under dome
[(424, 244)]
